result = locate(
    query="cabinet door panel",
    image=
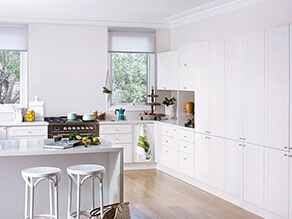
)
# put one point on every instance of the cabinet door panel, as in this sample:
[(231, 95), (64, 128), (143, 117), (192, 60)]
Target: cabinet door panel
[(254, 88), (253, 185), (217, 158), (216, 87), (127, 152), (233, 168), (186, 164), (276, 182), (201, 87), (167, 70), (201, 158), (277, 87), (3, 133), (186, 68), (234, 87)]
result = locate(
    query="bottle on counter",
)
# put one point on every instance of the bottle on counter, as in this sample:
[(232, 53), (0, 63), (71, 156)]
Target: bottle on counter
[(30, 115)]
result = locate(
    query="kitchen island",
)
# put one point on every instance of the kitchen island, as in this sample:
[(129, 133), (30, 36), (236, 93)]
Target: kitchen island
[(16, 155)]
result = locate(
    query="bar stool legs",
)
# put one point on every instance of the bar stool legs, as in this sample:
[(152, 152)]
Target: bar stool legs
[(79, 174)]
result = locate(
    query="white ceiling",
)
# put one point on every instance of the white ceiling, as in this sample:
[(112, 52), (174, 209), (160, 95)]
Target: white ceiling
[(152, 13)]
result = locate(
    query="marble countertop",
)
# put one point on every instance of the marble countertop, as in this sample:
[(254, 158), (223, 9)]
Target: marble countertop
[(35, 123), (28, 147)]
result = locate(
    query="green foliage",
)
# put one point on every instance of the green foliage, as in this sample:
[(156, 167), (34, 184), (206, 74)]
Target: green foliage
[(169, 102), (129, 77), (9, 76), (106, 91)]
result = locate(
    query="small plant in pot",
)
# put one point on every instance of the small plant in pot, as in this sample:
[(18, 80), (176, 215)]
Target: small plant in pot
[(169, 110), (106, 90)]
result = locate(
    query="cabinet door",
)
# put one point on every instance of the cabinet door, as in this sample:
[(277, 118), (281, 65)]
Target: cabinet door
[(167, 70), (186, 164), (233, 168), (254, 106), (168, 156), (253, 183), (201, 87), (277, 87), (216, 164), (186, 68), (276, 182), (2, 133), (202, 157), (234, 87), (127, 152), (216, 87)]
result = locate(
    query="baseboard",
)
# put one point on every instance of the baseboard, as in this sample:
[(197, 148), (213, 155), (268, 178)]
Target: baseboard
[(221, 194), (140, 166)]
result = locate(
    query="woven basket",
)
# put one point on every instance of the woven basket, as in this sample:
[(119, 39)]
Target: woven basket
[(113, 211)]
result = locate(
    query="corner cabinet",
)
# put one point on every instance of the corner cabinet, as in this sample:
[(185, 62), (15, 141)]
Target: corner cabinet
[(167, 70)]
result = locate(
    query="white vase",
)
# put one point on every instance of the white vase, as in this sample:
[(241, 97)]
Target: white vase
[(169, 111)]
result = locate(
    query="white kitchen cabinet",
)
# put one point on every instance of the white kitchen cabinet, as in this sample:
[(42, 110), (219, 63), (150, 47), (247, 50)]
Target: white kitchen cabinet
[(234, 87), (167, 70), (216, 87), (217, 162), (202, 157), (127, 152), (186, 74), (201, 87), (168, 156), (27, 132), (3, 131), (254, 105), (186, 163), (276, 182), (290, 185), (277, 88), (233, 168), (253, 174)]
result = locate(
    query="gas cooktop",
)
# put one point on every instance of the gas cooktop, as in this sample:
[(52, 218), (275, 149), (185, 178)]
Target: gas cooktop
[(63, 119)]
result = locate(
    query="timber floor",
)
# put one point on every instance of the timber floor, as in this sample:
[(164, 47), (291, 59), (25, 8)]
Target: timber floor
[(154, 194)]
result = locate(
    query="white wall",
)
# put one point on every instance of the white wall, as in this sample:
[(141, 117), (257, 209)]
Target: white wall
[(67, 67), (268, 14)]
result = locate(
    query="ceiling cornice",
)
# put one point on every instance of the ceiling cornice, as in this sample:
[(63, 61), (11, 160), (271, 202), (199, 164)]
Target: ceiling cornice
[(208, 10), (87, 21)]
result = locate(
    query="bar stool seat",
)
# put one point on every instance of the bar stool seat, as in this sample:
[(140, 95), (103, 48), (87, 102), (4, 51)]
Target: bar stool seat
[(78, 174), (32, 176)]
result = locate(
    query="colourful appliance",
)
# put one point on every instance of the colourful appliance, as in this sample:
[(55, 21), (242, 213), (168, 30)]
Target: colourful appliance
[(121, 115)]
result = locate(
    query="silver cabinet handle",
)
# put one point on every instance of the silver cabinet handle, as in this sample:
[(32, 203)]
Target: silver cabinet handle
[(285, 147), (185, 146), (166, 151), (185, 64), (290, 156), (164, 87), (166, 141), (285, 155), (30, 132), (185, 87), (243, 139), (4, 128), (174, 129), (185, 158), (240, 145)]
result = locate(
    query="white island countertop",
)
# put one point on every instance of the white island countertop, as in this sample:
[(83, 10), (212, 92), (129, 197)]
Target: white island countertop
[(27, 147), (35, 123)]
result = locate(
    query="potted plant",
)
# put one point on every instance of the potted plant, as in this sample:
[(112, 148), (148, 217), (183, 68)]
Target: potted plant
[(169, 110), (107, 93)]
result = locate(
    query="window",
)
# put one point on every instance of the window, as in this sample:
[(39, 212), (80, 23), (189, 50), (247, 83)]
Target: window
[(13, 61), (131, 55)]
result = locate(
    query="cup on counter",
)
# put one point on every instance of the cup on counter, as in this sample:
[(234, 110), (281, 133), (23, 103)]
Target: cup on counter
[(57, 138)]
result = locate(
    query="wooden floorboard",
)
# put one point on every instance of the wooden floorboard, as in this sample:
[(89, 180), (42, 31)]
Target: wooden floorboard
[(154, 194)]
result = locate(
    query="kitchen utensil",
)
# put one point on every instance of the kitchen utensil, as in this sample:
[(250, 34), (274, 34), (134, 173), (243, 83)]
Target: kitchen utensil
[(71, 116), (121, 115), (88, 117)]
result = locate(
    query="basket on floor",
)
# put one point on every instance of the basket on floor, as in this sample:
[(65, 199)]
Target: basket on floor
[(113, 211)]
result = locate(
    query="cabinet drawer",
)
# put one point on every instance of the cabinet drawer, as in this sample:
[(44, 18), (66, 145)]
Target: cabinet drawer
[(186, 164), (168, 141), (169, 131), (115, 129), (119, 138), (186, 147), (168, 157), (186, 135), (29, 131)]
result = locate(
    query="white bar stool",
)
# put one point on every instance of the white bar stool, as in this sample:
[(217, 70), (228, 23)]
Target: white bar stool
[(86, 171), (32, 176)]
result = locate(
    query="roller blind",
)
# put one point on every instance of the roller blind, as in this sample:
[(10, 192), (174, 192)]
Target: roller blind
[(129, 40), (13, 37)]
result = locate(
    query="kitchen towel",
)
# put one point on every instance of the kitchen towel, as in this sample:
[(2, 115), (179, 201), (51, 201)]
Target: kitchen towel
[(143, 146)]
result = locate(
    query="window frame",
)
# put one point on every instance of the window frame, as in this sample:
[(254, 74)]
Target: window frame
[(150, 83), (23, 102)]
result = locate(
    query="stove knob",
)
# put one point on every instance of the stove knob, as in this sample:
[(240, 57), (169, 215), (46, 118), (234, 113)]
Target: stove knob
[(82, 128), (73, 127), (65, 128), (91, 128), (86, 128), (69, 128), (78, 128)]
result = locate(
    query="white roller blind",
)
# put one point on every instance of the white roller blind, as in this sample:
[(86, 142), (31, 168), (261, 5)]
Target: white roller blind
[(13, 37), (121, 40)]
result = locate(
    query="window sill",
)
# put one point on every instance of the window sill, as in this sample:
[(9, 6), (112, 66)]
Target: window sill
[(129, 108)]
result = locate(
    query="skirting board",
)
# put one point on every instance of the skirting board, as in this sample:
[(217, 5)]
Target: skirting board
[(223, 195), (140, 166)]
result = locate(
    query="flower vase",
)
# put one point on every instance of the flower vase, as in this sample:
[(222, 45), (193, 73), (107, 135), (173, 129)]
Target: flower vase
[(169, 111)]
